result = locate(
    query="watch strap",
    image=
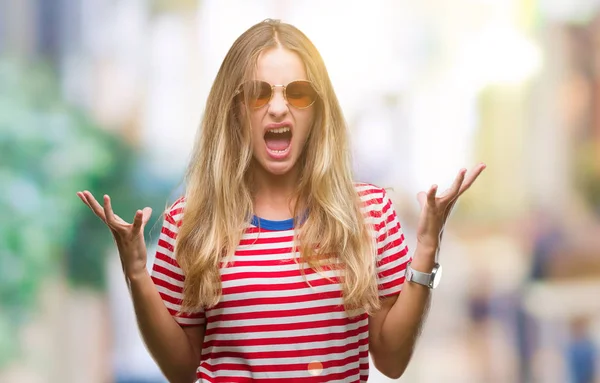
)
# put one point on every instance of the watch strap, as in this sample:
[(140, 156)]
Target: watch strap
[(419, 277)]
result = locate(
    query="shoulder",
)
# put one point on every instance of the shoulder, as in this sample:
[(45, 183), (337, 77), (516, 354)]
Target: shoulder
[(370, 194), (374, 199), (174, 213)]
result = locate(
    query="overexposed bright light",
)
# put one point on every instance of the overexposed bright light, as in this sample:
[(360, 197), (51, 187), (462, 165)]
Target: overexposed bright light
[(498, 55)]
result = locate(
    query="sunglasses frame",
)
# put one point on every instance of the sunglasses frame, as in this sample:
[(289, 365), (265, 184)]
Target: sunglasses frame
[(284, 89)]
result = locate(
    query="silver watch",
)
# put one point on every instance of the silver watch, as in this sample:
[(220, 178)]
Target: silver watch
[(431, 280)]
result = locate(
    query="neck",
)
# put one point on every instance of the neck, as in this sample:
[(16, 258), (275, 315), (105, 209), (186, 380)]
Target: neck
[(274, 195)]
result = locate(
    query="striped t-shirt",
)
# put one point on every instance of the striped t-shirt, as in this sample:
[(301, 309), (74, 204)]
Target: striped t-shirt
[(270, 324)]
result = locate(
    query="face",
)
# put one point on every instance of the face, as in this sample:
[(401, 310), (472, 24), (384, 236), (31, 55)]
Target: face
[(279, 129)]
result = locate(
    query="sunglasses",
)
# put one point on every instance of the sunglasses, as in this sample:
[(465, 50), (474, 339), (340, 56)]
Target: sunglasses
[(299, 94)]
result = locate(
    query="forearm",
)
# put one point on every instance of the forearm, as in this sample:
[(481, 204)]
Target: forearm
[(165, 339), (404, 321)]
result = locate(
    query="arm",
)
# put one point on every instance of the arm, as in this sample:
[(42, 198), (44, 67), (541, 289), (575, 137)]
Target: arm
[(176, 350), (395, 328), (156, 299), (174, 339)]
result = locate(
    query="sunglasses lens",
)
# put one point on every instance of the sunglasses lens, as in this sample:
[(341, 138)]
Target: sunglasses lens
[(256, 93), (300, 94)]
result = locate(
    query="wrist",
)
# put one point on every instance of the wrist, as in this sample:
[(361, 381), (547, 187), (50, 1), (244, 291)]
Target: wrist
[(135, 276), (425, 255), (424, 274), (424, 265)]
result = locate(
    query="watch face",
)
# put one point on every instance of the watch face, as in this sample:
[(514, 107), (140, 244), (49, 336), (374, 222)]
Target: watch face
[(437, 276)]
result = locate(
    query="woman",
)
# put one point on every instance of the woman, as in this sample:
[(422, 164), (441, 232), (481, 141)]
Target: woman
[(283, 268)]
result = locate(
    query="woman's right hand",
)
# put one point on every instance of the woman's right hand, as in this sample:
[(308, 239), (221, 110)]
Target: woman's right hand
[(129, 237)]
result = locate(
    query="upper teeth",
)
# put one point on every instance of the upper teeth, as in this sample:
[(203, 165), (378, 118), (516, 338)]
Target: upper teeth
[(280, 130)]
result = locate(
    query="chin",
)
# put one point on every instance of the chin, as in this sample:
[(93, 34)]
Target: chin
[(277, 168)]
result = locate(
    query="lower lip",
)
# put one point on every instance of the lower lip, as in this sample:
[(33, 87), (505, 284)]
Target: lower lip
[(279, 155)]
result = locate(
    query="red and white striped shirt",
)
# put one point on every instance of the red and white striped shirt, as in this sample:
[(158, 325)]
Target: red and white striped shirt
[(270, 324)]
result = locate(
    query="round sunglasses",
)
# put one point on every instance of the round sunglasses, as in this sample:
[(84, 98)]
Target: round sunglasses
[(299, 94)]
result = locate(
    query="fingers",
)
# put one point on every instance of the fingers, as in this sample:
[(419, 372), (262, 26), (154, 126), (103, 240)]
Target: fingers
[(108, 212), (427, 198), (452, 192), (141, 218), (456, 185), (81, 197), (471, 177), (461, 183), (91, 202), (146, 216), (431, 195), (450, 207), (112, 220), (84, 200), (137, 221)]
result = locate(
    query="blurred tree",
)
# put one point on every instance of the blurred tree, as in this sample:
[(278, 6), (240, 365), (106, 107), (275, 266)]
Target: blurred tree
[(48, 151)]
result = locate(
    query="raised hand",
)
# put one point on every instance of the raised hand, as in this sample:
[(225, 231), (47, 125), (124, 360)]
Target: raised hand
[(436, 209), (129, 237)]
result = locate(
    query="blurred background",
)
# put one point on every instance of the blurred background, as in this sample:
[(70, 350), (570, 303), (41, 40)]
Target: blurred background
[(106, 95)]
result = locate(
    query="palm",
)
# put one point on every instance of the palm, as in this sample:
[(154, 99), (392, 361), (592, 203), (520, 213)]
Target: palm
[(436, 209), (129, 237)]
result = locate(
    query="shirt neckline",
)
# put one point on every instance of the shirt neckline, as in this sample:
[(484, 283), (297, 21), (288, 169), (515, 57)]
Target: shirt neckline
[(286, 224)]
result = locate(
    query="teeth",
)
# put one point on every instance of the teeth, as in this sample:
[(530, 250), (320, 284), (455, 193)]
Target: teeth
[(280, 130)]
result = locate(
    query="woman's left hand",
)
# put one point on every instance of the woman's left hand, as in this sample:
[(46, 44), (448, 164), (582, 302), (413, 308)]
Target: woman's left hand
[(436, 209)]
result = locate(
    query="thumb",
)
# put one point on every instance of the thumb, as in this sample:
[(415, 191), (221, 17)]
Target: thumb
[(146, 213), (141, 218)]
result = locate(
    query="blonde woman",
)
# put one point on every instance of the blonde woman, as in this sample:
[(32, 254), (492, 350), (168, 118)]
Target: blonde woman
[(276, 265)]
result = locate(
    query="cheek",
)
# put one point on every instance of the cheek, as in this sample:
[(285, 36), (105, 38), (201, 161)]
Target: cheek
[(307, 122), (254, 122)]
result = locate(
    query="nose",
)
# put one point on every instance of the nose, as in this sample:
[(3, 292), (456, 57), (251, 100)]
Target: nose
[(278, 106)]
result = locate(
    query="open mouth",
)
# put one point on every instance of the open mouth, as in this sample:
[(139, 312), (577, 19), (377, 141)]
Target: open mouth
[(278, 140)]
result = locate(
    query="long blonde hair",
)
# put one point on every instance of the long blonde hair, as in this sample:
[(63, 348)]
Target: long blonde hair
[(219, 189)]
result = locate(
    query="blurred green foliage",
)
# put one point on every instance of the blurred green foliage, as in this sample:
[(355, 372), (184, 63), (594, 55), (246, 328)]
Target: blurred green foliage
[(49, 150)]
